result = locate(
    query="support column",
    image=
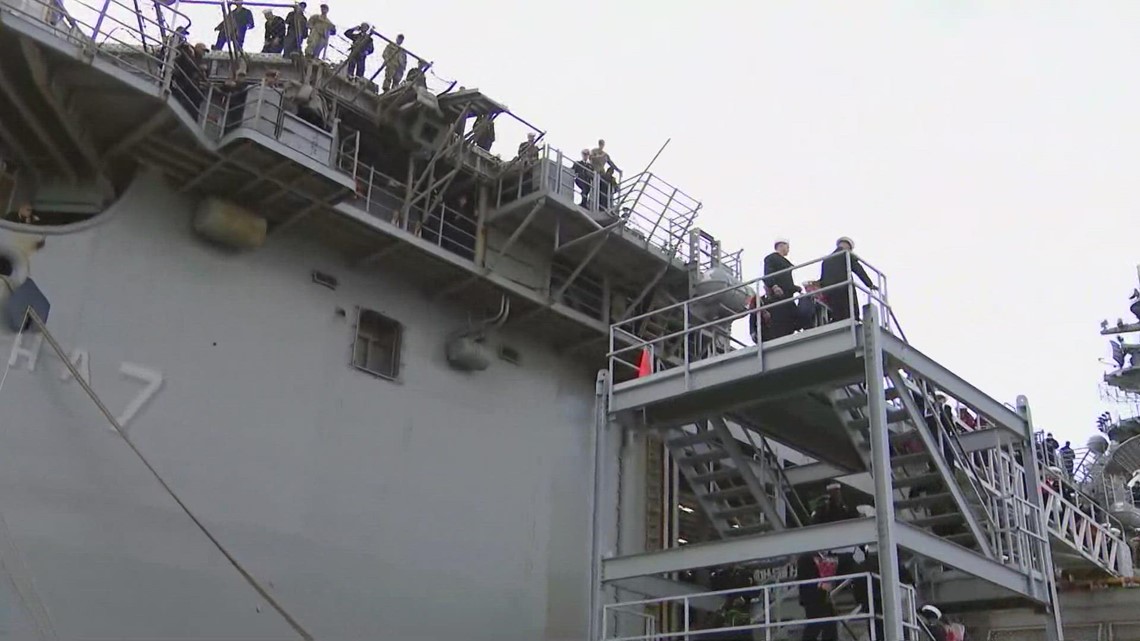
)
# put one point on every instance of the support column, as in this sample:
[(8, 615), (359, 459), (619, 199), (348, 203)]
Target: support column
[(597, 500), (1053, 628), (881, 470)]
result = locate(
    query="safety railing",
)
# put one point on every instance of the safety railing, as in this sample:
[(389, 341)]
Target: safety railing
[(111, 30), (768, 615), (658, 212), (453, 228), (261, 106), (702, 328), (645, 207), (1085, 526)]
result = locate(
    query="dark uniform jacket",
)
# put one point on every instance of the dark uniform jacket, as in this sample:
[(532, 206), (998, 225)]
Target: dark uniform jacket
[(834, 270), (773, 263)]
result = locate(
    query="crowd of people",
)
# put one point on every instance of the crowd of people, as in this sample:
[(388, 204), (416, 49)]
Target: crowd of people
[(297, 34)]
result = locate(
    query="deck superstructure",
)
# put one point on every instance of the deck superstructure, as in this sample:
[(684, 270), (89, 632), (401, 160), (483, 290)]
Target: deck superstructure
[(393, 186)]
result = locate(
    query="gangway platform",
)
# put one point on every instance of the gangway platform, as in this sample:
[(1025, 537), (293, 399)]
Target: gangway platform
[(856, 397)]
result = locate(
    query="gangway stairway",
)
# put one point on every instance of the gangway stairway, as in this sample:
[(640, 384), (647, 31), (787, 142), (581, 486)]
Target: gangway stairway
[(818, 393), (985, 480)]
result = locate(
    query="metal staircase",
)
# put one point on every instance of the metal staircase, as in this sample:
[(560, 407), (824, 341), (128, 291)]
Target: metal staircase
[(730, 486), (920, 466)]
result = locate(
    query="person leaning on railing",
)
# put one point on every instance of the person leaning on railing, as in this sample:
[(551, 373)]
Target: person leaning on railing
[(835, 271)]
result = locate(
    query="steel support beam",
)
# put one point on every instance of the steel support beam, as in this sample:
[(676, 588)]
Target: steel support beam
[(934, 448), (608, 229), (37, 128), (903, 355), (739, 550), (41, 77), (519, 230), (820, 472), (882, 475), (1033, 480), (932, 547), (594, 251), (208, 171)]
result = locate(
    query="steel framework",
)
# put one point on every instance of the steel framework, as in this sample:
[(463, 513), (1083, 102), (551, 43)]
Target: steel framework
[(949, 500)]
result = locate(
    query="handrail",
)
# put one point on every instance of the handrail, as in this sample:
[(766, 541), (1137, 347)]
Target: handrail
[(634, 342), (762, 596)]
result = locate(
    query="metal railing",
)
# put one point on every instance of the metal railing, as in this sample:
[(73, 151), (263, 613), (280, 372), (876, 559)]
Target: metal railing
[(1071, 516), (767, 618), (112, 30), (383, 197), (701, 328), (647, 208), (1085, 526)]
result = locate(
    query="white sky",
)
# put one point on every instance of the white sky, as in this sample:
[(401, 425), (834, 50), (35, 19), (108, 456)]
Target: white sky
[(979, 153)]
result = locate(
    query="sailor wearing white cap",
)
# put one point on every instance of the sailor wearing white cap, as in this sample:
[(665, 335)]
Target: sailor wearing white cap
[(781, 287), (834, 271), (938, 628)]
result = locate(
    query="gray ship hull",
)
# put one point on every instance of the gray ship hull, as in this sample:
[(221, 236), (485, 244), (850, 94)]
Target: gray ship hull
[(441, 505)]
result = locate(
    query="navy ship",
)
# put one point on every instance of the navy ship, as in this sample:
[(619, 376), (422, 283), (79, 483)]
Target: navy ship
[(291, 355)]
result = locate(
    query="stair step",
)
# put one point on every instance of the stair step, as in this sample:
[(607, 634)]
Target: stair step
[(858, 400), (938, 519), (724, 494), (965, 539), (925, 499), (726, 474), (704, 457), (733, 512), (899, 460), (702, 436), (749, 530), (917, 479), (894, 415)]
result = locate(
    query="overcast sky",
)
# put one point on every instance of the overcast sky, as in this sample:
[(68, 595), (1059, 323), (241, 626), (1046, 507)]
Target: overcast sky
[(983, 156)]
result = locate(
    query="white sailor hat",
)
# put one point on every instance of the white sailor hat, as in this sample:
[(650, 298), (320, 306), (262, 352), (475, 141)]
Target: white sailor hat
[(931, 611), (834, 485), (845, 239)]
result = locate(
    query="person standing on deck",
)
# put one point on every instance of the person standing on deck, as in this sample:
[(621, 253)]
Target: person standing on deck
[(834, 271), (274, 32), (238, 20), (527, 159), (604, 166), (320, 28), (362, 47), (1051, 446), (483, 131), (584, 177), (395, 62), (783, 288), (1068, 459), (296, 29)]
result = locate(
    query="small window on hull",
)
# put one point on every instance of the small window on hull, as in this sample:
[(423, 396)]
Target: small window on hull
[(377, 346)]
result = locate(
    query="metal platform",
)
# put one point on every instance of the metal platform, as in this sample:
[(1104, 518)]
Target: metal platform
[(855, 397)]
